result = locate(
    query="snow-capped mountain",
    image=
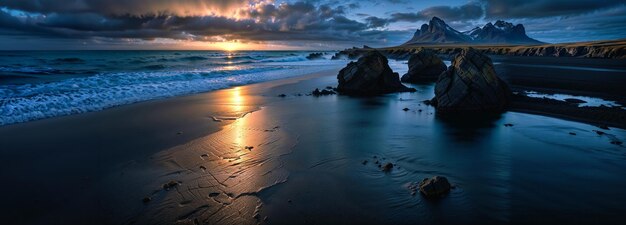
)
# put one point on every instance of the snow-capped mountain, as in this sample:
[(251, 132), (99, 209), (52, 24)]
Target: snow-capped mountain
[(438, 32)]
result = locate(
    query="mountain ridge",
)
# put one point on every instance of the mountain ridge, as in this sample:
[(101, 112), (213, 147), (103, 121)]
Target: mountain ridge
[(502, 32)]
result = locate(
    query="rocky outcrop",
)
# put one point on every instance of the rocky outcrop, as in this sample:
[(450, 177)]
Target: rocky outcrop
[(370, 75), (471, 85), (615, 49), (315, 55), (434, 187), (424, 66)]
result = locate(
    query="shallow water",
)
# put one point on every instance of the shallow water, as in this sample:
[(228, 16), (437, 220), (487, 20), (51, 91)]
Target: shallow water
[(534, 171), (589, 101), (311, 169)]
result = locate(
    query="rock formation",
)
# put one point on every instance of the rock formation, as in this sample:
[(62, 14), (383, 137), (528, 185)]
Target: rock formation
[(613, 49), (501, 32), (434, 187), (370, 75), (471, 85), (315, 55), (438, 32), (424, 66)]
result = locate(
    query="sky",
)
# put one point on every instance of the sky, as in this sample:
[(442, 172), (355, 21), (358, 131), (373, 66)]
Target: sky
[(286, 25)]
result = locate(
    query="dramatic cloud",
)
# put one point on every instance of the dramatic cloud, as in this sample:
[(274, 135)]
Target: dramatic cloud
[(469, 11), (544, 8), (299, 22), (374, 22), (263, 21), (133, 7)]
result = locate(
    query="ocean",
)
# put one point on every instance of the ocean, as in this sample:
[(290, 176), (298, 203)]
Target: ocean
[(42, 84)]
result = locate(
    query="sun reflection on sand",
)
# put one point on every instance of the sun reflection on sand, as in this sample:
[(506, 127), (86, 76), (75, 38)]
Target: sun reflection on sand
[(221, 174), (237, 100)]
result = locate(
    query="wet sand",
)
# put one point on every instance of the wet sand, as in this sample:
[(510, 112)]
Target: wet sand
[(80, 169), (306, 160)]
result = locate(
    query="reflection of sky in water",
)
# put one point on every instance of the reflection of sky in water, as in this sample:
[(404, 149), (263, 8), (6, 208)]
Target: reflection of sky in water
[(590, 101), (399, 66)]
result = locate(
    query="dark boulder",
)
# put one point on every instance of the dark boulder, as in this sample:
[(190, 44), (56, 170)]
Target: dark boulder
[(424, 66), (387, 167), (471, 85), (370, 75), (315, 55), (318, 93), (435, 186)]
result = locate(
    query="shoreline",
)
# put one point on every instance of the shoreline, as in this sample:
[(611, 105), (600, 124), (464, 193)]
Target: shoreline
[(121, 155), (83, 151)]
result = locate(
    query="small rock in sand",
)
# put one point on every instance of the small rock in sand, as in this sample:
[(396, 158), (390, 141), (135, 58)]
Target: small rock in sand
[(508, 125), (574, 101), (327, 91), (170, 185), (430, 103), (387, 167), (364, 162), (616, 142), (282, 95), (572, 133), (406, 109), (434, 187), (249, 148)]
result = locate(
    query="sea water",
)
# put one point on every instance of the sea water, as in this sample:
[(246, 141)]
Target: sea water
[(42, 84)]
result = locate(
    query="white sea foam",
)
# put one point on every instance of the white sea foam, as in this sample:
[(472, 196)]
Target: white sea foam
[(21, 103)]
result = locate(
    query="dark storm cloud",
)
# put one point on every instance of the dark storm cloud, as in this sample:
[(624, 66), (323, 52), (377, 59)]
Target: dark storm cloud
[(293, 21), (470, 11), (544, 8), (506, 9), (316, 20), (375, 22), (127, 7)]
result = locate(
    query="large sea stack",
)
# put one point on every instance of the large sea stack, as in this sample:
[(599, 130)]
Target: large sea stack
[(471, 85), (424, 66), (370, 75)]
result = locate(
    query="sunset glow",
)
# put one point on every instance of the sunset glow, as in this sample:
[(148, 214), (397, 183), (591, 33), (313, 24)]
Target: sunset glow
[(230, 46)]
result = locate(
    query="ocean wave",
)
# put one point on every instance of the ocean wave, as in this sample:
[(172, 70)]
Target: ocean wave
[(228, 57), (155, 67), (21, 103), (69, 60), (42, 71), (193, 58), (286, 59)]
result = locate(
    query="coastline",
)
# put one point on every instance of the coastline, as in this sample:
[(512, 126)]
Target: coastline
[(119, 156), (82, 151)]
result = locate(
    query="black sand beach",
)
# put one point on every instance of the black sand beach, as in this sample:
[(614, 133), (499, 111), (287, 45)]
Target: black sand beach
[(302, 159)]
